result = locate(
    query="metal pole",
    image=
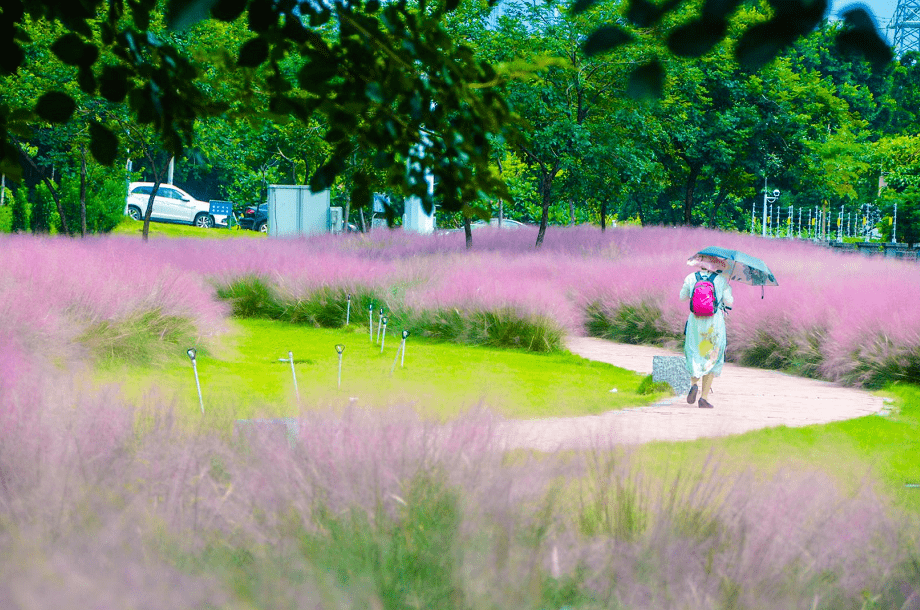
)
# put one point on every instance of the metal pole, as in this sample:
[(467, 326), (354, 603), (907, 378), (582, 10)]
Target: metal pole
[(383, 336), (840, 225), (370, 319), (894, 228), (294, 375), (753, 208), (339, 349), (764, 233), (379, 324), (348, 310), (800, 222), (191, 354), (405, 334)]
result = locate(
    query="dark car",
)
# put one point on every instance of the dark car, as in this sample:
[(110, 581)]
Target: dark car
[(255, 218)]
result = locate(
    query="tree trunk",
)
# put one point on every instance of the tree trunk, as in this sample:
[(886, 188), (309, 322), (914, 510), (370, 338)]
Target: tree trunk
[(82, 191), (54, 193), (468, 231), (720, 199), (361, 216), (688, 195), (501, 212), (546, 187), (347, 214), (153, 194), (603, 214)]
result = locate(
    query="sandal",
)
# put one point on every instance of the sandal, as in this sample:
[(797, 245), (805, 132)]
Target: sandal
[(705, 404), (691, 397)]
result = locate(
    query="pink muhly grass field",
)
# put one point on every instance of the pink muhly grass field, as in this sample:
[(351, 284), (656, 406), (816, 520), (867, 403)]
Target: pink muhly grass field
[(843, 317), (838, 316), (100, 512), (114, 505)]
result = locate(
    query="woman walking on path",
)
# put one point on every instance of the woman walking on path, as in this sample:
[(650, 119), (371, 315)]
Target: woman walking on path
[(704, 343)]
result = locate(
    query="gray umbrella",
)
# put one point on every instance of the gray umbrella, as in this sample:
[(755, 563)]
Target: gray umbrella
[(744, 268)]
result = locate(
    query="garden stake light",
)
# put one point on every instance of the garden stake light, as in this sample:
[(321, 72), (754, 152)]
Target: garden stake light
[(370, 320), (379, 324), (405, 334), (383, 335), (400, 350), (191, 355), (290, 359), (347, 309), (339, 348)]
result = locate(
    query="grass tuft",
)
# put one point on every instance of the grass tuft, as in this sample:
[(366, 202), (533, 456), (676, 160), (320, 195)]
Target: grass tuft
[(141, 339), (251, 297)]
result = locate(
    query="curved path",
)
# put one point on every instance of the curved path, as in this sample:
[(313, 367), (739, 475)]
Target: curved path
[(745, 399)]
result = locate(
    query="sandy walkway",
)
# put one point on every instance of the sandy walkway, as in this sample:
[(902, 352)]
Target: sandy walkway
[(745, 399)]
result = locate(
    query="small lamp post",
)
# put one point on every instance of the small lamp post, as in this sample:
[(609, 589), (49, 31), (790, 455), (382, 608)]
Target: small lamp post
[(379, 324), (340, 349), (383, 335), (768, 199), (405, 334), (347, 309), (192, 352), (370, 321)]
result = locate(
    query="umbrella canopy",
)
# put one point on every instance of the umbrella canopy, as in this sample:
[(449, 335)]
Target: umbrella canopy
[(738, 266)]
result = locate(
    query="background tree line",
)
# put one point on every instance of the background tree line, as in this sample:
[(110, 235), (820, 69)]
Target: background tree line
[(582, 137)]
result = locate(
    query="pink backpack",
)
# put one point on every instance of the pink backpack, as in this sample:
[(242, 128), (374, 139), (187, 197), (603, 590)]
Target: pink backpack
[(704, 302)]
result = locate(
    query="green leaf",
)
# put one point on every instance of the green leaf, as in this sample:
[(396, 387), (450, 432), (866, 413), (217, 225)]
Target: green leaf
[(643, 13), (182, 14), (11, 57), (605, 39), (113, 83), (68, 48), (253, 53), (55, 107), (262, 16), (646, 82), (228, 10), (87, 80), (697, 38), (11, 167), (760, 44), (103, 144), (860, 37), (581, 6)]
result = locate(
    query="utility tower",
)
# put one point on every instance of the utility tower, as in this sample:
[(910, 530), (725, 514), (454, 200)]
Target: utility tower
[(906, 26)]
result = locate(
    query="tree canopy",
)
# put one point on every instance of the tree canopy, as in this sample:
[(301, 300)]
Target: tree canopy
[(375, 78)]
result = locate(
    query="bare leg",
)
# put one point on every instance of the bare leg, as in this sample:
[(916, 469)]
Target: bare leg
[(707, 386)]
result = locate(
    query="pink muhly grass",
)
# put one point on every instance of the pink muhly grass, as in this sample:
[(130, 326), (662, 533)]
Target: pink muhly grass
[(52, 290), (80, 476)]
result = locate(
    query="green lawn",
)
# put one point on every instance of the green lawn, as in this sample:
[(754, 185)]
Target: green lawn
[(244, 377), (880, 449), (166, 229)]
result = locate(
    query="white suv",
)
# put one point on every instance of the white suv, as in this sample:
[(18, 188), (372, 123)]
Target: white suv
[(171, 204)]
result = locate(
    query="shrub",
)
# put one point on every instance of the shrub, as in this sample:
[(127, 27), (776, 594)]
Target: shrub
[(649, 386)]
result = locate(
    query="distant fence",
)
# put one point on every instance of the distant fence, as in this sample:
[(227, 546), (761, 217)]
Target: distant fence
[(904, 251)]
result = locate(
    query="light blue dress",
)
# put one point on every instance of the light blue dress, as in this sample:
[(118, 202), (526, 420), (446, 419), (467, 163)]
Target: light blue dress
[(704, 345)]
